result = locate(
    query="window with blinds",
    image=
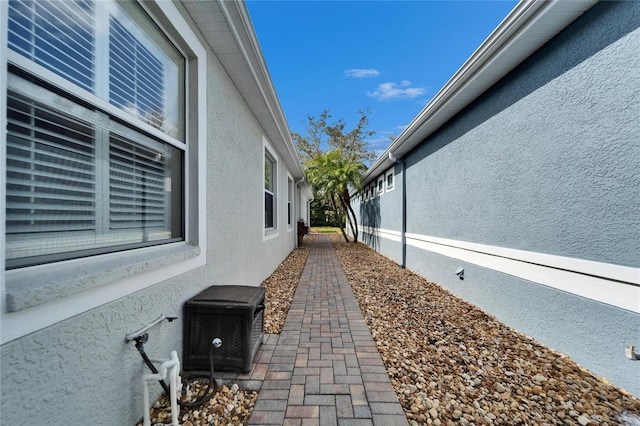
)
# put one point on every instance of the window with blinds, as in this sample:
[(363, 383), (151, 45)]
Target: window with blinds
[(117, 54), (269, 191), (58, 35), (289, 200), (79, 180)]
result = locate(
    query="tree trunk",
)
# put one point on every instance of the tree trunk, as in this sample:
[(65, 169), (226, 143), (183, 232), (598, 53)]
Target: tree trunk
[(350, 214), (336, 210), (354, 226)]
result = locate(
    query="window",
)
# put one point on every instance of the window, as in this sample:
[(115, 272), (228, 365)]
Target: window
[(289, 202), (113, 53), (269, 190), (389, 180), (380, 185), (82, 179)]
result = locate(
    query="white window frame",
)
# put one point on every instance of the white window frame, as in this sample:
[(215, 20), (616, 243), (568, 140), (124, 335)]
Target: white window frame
[(268, 151), (380, 185), (393, 180), (290, 201), (57, 291)]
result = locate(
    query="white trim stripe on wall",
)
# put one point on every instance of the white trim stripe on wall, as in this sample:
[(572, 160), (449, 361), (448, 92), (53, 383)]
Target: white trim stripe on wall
[(607, 283)]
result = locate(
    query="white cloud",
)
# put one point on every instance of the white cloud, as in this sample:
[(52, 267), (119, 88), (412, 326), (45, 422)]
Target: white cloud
[(361, 73), (388, 91)]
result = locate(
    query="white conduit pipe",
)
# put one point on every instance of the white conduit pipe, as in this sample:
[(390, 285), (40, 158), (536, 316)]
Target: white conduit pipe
[(173, 366)]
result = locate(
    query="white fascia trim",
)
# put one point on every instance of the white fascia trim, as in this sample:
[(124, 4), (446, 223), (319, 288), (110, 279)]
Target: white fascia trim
[(384, 233), (530, 25), (607, 271), (607, 283), (240, 24), (18, 324)]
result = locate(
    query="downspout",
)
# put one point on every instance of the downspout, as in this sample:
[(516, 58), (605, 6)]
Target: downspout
[(403, 231)]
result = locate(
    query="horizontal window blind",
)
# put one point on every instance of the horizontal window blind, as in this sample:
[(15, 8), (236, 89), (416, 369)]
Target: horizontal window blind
[(136, 76), (137, 195), (80, 179), (58, 35), (50, 170), (100, 48)]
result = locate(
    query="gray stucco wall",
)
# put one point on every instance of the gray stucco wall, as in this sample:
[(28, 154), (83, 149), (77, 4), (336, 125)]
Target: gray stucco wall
[(80, 371), (593, 334), (383, 212), (546, 161)]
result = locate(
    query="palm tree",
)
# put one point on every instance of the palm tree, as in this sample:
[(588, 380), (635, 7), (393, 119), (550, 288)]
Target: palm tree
[(332, 176)]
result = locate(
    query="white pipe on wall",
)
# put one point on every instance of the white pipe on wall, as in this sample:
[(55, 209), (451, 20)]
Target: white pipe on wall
[(173, 367)]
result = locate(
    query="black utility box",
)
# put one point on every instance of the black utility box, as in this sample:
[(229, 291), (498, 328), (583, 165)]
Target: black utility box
[(233, 313)]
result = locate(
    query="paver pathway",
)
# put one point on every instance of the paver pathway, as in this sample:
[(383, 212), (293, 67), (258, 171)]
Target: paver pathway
[(324, 367)]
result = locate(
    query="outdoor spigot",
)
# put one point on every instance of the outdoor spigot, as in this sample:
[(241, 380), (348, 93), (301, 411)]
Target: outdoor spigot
[(140, 341)]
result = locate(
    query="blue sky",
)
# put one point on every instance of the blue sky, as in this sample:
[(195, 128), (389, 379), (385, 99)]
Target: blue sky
[(391, 57)]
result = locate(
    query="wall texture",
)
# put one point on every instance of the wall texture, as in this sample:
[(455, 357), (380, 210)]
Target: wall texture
[(545, 161), (593, 334), (80, 371)]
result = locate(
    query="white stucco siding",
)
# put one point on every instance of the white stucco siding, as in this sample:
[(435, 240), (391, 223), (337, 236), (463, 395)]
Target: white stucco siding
[(235, 180), (84, 355)]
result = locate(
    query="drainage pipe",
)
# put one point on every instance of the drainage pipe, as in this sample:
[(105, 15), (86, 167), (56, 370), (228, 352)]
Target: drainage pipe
[(211, 386), (173, 366), (403, 232)]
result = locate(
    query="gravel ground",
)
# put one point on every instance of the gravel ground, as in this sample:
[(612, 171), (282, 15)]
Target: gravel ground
[(451, 363), (232, 405), (229, 406), (281, 286)]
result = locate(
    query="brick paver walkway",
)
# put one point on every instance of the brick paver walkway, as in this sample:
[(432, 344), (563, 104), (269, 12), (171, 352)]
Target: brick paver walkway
[(324, 368)]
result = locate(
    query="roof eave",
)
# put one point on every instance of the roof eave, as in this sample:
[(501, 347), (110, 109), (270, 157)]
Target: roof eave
[(227, 28), (525, 29)]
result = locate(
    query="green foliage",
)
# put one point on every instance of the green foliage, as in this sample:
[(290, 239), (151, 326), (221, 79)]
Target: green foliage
[(334, 172), (323, 136)]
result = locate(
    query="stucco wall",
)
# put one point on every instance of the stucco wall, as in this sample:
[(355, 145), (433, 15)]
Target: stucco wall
[(383, 212), (593, 334), (545, 161), (80, 371)]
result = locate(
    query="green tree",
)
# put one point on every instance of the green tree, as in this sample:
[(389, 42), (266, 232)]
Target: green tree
[(332, 176), (323, 136), (334, 172)]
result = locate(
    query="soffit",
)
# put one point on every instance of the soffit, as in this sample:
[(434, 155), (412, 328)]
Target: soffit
[(228, 30)]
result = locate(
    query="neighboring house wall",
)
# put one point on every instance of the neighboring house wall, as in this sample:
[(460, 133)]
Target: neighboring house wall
[(533, 190), (65, 360)]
